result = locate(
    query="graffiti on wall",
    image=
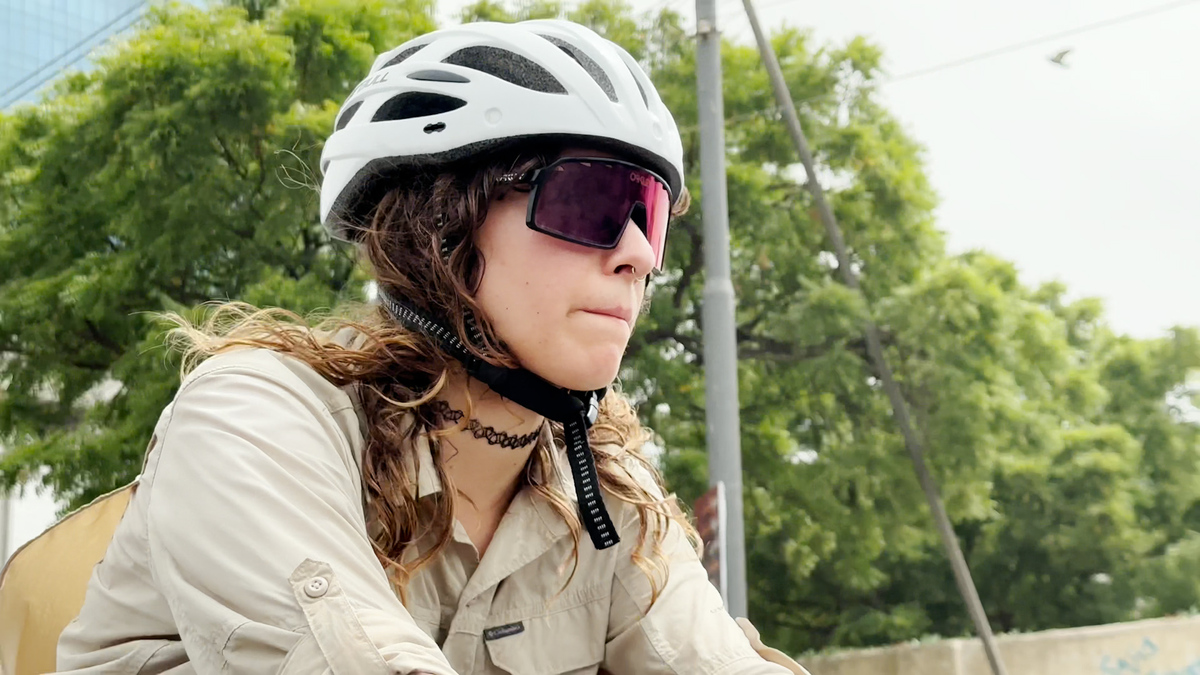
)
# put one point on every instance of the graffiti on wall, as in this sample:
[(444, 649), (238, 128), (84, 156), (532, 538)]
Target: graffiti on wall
[(1143, 661)]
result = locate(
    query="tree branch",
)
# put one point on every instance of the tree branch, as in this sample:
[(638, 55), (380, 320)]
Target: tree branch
[(692, 345), (262, 179), (82, 365), (262, 169), (229, 159), (695, 263), (657, 335), (102, 339), (761, 347), (768, 349)]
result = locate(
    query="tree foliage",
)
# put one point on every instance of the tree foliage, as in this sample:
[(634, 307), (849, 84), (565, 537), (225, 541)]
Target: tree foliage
[(177, 172)]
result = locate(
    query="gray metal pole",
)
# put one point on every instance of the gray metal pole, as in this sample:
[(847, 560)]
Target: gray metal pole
[(720, 335), (5, 517), (5, 521), (962, 574)]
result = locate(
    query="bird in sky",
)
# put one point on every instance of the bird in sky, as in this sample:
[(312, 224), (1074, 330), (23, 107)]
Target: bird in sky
[(1060, 58)]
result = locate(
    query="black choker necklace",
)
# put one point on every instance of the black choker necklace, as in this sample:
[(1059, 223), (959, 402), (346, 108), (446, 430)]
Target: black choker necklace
[(478, 430)]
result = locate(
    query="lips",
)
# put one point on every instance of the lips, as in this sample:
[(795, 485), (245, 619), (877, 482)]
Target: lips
[(623, 313)]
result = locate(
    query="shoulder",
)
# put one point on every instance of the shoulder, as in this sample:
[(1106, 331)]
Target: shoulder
[(274, 369), (250, 384), (252, 417), (634, 487)]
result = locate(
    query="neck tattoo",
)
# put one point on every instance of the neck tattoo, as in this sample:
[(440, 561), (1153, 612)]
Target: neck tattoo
[(491, 436)]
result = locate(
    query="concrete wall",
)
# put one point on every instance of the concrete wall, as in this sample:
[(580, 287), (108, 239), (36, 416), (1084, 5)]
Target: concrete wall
[(1151, 647)]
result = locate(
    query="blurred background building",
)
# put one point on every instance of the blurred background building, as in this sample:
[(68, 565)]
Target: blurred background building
[(39, 39)]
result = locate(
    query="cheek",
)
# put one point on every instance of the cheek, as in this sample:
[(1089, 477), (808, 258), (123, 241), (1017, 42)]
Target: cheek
[(531, 283), (517, 299), (523, 276)]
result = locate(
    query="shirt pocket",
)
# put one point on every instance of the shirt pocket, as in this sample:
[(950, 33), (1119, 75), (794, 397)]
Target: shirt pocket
[(568, 641), (433, 622)]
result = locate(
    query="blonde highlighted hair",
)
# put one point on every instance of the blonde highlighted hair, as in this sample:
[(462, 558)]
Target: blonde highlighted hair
[(419, 244)]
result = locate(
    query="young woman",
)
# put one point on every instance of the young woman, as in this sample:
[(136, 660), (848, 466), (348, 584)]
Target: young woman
[(444, 482)]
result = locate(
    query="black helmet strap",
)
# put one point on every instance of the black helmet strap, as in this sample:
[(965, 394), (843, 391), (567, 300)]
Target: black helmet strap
[(576, 411)]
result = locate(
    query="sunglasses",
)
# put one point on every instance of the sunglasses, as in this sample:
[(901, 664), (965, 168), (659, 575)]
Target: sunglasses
[(590, 201)]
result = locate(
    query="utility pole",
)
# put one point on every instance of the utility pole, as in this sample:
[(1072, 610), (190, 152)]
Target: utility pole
[(720, 334), (962, 575), (5, 516)]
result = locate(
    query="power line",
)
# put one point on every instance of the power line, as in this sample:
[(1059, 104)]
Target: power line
[(991, 53), (733, 9), (775, 3), (1032, 42)]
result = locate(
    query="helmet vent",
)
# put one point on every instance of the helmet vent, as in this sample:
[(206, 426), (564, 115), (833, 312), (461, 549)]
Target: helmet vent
[(416, 104), (344, 118), (508, 66), (641, 91), (402, 55), (587, 64), (438, 76)]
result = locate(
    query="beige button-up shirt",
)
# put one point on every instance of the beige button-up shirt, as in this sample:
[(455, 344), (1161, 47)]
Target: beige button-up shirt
[(245, 549)]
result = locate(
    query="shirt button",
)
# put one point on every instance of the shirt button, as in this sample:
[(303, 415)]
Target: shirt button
[(316, 587)]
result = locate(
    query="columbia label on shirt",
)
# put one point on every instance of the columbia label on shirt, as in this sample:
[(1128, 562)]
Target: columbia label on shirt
[(503, 631)]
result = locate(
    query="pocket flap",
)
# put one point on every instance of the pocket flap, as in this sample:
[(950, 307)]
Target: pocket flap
[(568, 641)]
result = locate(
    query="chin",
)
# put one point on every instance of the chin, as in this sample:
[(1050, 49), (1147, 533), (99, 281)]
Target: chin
[(585, 373), (584, 379)]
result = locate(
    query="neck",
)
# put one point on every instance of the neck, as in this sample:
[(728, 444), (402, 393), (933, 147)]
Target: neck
[(485, 475)]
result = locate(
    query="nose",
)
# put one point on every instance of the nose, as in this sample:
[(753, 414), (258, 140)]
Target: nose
[(633, 253)]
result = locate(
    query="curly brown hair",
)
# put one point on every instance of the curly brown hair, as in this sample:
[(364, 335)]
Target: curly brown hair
[(420, 245)]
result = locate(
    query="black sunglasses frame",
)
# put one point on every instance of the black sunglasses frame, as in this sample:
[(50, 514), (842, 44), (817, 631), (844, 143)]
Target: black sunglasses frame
[(535, 178)]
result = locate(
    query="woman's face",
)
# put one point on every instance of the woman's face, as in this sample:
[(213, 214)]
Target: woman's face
[(565, 310)]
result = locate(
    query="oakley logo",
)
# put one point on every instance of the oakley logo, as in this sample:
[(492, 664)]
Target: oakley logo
[(642, 179)]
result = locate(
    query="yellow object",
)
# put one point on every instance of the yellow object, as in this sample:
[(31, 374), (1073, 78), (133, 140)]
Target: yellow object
[(43, 584)]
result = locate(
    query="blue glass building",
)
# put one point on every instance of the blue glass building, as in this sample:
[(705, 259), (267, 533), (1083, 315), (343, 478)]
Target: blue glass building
[(39, 39)]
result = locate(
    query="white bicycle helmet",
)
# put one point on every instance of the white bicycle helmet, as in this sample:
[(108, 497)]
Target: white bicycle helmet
[(456, 92)]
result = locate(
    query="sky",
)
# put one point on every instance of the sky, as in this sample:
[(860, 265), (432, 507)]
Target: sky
[(1083, 174)]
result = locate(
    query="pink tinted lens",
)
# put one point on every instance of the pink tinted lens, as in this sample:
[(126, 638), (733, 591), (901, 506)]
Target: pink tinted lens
[(658, 218), (590, 202)]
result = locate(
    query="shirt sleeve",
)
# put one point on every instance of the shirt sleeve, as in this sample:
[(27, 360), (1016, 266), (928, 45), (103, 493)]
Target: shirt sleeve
[(686, 630), (257, 537)]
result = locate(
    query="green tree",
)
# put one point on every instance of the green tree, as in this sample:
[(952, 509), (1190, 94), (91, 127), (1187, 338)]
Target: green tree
[(1042, 436), (174, 173)]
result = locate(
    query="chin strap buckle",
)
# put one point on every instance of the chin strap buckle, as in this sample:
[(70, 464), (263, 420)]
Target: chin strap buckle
[(593, 411)]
